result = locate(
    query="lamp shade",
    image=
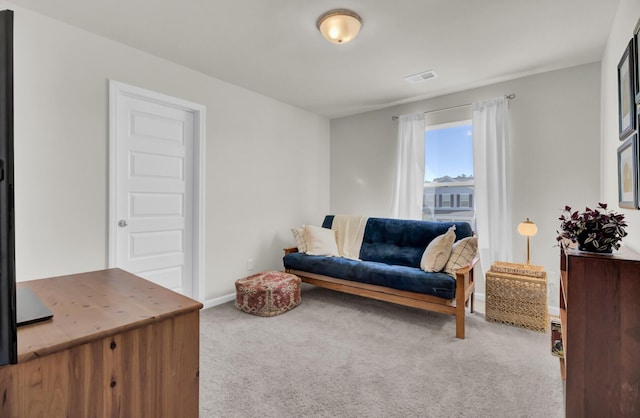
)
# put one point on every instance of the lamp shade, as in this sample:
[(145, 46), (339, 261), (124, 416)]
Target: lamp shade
[(527, 228), (339, 26)]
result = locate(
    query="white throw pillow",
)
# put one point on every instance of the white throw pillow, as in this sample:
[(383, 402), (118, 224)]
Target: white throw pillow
[(298, 235), (320, 241), (437, 253), (461, 255)]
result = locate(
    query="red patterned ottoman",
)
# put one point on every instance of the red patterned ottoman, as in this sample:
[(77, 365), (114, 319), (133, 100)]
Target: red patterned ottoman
[(268, 294)]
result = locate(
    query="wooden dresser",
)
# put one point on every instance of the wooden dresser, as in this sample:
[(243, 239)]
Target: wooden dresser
[(117, 346), (600, 314)]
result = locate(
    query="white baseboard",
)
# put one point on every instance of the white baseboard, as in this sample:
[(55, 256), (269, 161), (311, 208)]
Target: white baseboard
[(210, 303), (553, 310)]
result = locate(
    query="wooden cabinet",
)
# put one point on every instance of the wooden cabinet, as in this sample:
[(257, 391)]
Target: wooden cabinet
[(600, 314), (117, 346)]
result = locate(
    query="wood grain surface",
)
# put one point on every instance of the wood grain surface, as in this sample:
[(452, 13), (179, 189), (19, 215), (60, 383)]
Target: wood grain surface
[(600, 312), (118, 346)]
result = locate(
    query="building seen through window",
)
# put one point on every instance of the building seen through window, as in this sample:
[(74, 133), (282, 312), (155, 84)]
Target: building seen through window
[(449, 183)]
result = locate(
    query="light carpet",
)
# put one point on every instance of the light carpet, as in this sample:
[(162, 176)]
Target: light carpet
[(339, 355)]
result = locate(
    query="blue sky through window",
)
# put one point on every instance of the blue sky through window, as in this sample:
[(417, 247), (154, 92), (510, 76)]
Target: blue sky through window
[(448, 152)]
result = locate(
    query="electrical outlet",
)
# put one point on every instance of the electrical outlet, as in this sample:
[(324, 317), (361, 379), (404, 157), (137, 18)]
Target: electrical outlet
[(250, 264)]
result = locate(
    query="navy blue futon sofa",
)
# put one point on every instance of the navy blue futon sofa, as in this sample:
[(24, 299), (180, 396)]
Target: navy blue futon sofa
[(389, 268)]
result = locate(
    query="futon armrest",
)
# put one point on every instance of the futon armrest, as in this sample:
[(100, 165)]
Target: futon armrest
[(464, 279), (290, 250), (469, 267)]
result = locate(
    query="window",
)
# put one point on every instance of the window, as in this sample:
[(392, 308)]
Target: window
[(448, 180), (465, 200), (445, 200), (429, 198)]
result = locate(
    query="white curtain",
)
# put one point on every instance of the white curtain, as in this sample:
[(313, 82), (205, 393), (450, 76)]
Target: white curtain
[(492, 180), (409, 181)]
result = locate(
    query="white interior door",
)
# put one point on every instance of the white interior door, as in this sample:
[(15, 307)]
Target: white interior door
[(154, 191)]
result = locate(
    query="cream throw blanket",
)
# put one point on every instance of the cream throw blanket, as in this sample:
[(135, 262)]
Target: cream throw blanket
[(349, 231)]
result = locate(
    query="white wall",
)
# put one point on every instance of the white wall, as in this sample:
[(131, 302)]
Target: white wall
[(257, 184), (555, 125), (621, 32)]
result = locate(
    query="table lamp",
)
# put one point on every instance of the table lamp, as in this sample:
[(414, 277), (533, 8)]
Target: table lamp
[(528, 229)]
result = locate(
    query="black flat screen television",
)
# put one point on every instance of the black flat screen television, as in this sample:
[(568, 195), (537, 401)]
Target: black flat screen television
[(17, 306), (8, 323)]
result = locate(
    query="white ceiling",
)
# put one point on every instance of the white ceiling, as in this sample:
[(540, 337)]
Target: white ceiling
[(273, 47)]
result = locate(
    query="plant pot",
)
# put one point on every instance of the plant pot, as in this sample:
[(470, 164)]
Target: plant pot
[(590, 248)]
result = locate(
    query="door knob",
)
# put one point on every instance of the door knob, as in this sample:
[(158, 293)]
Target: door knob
[(122, 223)]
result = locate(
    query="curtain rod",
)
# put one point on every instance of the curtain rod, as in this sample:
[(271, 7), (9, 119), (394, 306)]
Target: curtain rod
[(507, 96)]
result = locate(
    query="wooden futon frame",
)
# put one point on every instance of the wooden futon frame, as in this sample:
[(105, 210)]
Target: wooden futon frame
[(465, 287)]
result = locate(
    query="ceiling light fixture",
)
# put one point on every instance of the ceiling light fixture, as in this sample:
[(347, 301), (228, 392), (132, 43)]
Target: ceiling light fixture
[(339, 26)]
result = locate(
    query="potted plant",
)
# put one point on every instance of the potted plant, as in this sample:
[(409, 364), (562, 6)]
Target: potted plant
[(596, 230)]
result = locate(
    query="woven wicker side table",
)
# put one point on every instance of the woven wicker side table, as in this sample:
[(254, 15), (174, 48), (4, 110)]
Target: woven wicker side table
[(516, 294)]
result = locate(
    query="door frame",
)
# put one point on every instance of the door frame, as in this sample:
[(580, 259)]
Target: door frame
[(118, 89)]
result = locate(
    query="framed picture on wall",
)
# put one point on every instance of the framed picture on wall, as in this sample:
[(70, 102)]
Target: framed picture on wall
[(628, 173), (626, 92)]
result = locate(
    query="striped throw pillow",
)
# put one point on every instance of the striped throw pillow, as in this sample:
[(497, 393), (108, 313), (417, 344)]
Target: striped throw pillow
[(462, 254)]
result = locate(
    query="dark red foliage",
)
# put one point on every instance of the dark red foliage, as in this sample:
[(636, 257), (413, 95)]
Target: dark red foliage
[(599, 228)]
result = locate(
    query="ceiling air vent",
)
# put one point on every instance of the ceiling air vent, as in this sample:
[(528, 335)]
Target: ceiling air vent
[(416, 78)]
